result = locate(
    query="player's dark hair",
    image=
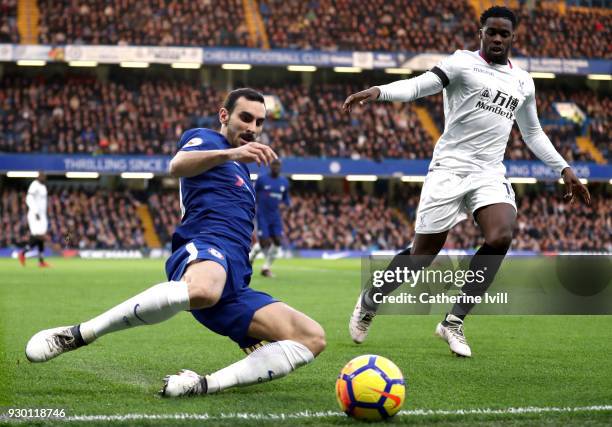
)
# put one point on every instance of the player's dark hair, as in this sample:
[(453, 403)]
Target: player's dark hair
[(498, 12), (244, 92)]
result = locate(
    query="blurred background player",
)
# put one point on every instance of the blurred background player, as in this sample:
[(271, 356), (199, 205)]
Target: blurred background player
[(209, 270), (484, 92), (271, 189), (38, 222)]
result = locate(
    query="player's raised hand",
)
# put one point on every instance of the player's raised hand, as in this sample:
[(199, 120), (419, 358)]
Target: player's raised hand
[(574, 186), (361, 98), (254, 152)]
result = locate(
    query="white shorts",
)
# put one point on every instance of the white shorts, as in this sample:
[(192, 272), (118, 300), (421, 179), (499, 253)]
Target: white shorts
[(38, 227), (447, 198)]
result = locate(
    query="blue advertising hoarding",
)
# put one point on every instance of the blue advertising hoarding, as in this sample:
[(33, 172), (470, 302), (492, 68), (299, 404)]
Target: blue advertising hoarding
[(329, 167)]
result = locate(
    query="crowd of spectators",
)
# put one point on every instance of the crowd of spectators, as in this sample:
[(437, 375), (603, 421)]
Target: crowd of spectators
[(545, 32), (600, 124), (314, 125), (429, 26), (86, 115), (78, 219), (545, 222), (381, 25), (343, 221), (550, 224), (104, 219), (393, 25), (166, 210), (8, 21), (357, 221), (152, 23)]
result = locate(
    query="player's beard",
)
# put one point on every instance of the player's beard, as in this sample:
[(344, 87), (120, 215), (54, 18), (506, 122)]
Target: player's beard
[(237, 138)]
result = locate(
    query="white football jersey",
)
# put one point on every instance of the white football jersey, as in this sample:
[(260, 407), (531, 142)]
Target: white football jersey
[(481, 102), (37, 198)]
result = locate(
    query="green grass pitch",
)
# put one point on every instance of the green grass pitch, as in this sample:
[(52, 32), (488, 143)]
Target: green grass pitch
[(519, 361)]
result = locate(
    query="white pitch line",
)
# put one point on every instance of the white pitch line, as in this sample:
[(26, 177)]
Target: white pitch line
[(322, 414)]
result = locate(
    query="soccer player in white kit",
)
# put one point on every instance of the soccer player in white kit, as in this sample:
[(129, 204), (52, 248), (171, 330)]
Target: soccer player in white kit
[(36, 200), (484, 92)]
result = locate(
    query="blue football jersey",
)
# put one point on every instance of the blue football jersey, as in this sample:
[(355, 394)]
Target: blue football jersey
[(270, 193), (219, 204)]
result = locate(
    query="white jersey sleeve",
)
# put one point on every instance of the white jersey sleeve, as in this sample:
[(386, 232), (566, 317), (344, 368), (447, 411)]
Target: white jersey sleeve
[(410, 89), (428, 83), (534, 136)]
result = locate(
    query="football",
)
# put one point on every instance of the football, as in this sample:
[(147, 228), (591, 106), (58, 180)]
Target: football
[(370, 388)]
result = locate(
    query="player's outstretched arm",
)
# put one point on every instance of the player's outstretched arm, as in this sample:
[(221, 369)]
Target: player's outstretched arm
[(540, 145), (191, 163), (406, 90)]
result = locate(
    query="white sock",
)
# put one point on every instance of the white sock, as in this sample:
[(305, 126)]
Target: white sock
[(270, 256), (254, 252), (32, 253), (154, 305), (269, 362)]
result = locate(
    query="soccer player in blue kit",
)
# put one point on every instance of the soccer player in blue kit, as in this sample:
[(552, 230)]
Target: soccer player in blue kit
[(209, 270), (270, 190)]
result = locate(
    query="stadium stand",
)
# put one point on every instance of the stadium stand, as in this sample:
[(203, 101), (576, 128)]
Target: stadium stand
[(546, 224), (359, 221), (425, 26), (63, 111), (107, 219), (78, 218), (396, 25), (153, 23), (575, 34), (85, 115), (8, 21)]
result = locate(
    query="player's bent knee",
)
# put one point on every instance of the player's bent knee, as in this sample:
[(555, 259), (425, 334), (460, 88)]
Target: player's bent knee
[(205, 282), (501, 239), (314, 339)]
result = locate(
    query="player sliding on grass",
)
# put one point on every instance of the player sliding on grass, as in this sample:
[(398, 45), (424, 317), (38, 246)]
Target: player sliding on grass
[(484, 92), (209, 270), (271, 189)]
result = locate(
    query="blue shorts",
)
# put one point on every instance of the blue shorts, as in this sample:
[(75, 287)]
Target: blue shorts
[(269, 226), (232, 315)]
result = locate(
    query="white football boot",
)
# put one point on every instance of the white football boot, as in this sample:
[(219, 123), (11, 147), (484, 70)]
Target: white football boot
[(360, 321), (50, 343), (185, 383), (452, 333)]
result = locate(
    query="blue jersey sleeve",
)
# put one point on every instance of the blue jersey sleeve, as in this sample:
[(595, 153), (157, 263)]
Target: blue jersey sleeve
[(198, 140)]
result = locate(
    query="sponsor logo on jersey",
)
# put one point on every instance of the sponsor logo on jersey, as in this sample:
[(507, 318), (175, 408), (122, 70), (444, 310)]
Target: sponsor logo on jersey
[(498, 102), (485, 94), (193, 142), (215, 253)]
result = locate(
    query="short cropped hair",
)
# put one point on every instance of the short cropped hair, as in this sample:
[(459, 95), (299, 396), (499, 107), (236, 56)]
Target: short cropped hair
[(251, 94), (498, 12)]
